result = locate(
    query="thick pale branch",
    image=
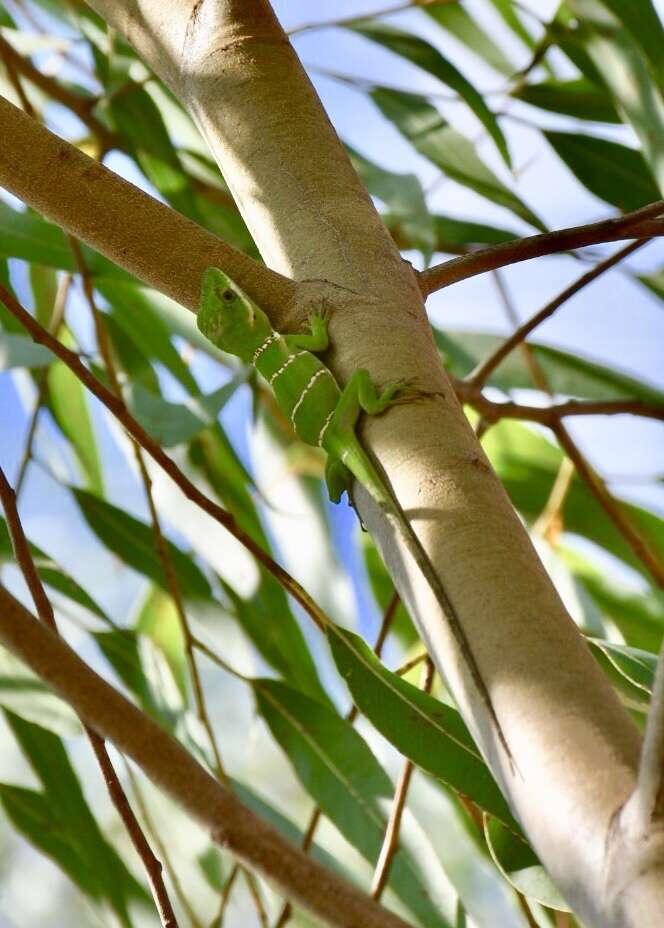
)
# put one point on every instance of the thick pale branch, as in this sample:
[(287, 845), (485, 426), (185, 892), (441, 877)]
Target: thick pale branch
[(230, 823), (135, 231), (639, 224)]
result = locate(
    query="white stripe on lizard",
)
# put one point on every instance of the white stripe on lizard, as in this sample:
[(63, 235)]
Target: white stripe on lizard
[(266, 344), (308, 387), (322, 432), (283, 367)]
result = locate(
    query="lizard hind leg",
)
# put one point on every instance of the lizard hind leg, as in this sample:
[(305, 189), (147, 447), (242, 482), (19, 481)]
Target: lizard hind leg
[(338, 478)]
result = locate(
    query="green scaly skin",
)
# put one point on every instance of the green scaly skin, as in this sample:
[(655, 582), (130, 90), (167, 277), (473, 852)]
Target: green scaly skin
[(322, 414)]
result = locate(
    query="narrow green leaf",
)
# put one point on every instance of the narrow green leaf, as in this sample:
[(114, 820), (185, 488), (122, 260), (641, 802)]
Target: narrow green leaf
[(638, 616), (567, 374), (425, 730), (577, 97), (435, 139), (25, 235), (21, 351), (404, 197), (137, 117), (625, 72), (120, 648), (465, 27), (24, 694), (429, 59), (68, 401), (44, 284), (341, 774), (510, 14), (133, 543), (159, 621), (520, 866), (634, 664), (71, 820), (174, 423), (52, 574), (640, 18), (611, 171), (654, 282), (382, 588), (134, 312)]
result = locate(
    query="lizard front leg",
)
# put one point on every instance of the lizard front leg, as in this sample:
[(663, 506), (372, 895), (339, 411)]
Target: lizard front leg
[(315, 340)]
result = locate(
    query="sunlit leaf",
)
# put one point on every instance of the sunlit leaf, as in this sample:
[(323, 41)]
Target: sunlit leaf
[(448, 149), (341, 774), (133, 543), (429, 59), (430, 733), (68, 401), (21, 351), (611, 171), (577, 97), (463, 26)]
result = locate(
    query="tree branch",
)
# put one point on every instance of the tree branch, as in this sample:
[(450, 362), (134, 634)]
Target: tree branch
[(135, 231), (122, 414), (482, 371), (230, 823), (638, 224), (46, 615), (471, 394)]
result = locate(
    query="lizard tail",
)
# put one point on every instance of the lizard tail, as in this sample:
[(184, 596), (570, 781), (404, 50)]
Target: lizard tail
[(383, 496)]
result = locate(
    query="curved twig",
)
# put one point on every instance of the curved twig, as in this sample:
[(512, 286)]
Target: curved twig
[(642, 223)]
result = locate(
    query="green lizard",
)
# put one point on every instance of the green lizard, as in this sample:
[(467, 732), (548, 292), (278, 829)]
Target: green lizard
[(322, 414)]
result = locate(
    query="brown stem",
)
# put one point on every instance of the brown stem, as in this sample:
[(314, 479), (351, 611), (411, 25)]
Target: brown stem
[(118, 797), (231, 824), (481, 373), (122, 414), (491, 411), (638, 224), (161, 847), (391, 840)]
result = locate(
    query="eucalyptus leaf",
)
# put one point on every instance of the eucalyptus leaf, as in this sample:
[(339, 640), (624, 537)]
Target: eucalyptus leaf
[(21, 351), (343, 777), (611, 171), (448, 149), (133, 543), (420, 53), (425, 730)]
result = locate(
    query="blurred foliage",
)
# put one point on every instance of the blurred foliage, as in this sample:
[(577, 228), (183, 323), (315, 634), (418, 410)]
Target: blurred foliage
[(597, 69)]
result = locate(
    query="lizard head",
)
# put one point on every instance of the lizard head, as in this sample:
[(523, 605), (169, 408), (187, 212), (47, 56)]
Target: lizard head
[(228, 317)]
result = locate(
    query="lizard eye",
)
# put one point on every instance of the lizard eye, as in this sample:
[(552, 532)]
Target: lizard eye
[(228, 296)]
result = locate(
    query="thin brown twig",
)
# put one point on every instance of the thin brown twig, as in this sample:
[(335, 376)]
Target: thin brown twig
[(218, 920), (122, 414), (641, 223), (57, 317), (611, 506), (162, 849), (482, 372), (118, 797), (160, 542), (391, 839), (316, 814), (492, 411)]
